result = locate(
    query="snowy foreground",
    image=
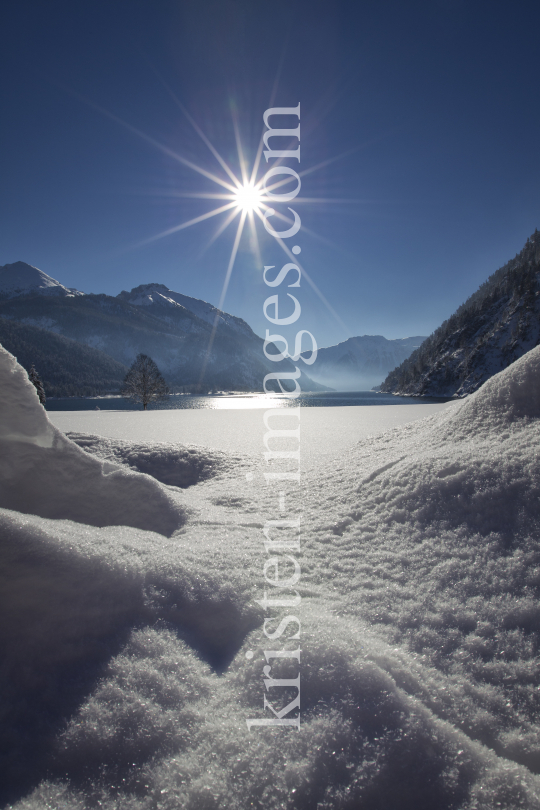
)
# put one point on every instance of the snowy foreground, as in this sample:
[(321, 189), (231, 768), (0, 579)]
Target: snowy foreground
[(130, 573)]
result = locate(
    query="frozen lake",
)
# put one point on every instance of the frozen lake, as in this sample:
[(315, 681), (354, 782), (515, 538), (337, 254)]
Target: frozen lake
[(230, 401), (325, 432)]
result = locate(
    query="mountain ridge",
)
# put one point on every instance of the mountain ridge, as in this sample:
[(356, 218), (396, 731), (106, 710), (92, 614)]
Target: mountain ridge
[(154, 293), (361, 362), (176, 331), (158, 324)]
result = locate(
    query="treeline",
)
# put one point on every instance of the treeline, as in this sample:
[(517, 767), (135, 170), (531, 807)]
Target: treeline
[(66, 368), (494, 327)]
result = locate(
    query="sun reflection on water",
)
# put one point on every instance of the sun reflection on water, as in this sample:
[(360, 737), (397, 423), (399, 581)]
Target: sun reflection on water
[(237, 402)]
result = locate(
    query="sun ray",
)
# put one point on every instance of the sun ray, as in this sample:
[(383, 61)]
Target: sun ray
[(194, 195), (196, 127), (184, 225), (332, 200), (244, 197), (241, 158), (161, 147), (224, 225), (223, 293), (351, 151), (311, 233), (331, 160), (255, 238), (257, 161), (273, 94), (234, 251)]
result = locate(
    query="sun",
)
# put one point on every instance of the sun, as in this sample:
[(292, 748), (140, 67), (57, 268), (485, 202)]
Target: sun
[(248, 197), (239, 195)]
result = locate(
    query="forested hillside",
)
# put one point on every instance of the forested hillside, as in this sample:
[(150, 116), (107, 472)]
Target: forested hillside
[(498, 324), (67, 368)]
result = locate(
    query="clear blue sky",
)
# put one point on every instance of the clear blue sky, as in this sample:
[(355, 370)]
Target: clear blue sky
[(435, 104)]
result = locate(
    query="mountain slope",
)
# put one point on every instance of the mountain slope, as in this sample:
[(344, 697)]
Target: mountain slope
[(20, 278), (176, 338), (67, 368), (159, 299), (362, 362), (498, 324)]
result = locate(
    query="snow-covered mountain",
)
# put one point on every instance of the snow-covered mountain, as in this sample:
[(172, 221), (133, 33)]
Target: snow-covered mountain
[(498, 324), (362, 362), (151, 295), (175, 330), (20, 278)]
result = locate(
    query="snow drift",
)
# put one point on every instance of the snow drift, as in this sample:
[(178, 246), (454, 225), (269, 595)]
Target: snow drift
[(126, 683), (43, 473)]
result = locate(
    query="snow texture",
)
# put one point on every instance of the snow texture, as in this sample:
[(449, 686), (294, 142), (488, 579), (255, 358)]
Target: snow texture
[(125, 681), (173, 464)]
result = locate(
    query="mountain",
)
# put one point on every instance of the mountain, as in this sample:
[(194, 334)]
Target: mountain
[(159, 296), (498, 324), (67, 368), (20, 278), (152, 320), (360, 363)]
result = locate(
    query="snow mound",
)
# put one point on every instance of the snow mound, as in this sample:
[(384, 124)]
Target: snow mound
[(43, 473), (512, 394), (436, 546), (173, 464)]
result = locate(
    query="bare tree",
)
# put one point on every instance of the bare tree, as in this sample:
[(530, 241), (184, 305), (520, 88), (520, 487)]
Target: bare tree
[(144, 383)]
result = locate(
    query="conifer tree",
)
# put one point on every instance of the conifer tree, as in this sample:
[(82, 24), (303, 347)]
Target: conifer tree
[(36, 380), (144, 382)]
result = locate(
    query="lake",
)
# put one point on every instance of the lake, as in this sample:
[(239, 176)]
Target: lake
[(324, 399)]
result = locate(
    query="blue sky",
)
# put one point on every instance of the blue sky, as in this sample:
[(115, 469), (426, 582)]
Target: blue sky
[(432, 106)]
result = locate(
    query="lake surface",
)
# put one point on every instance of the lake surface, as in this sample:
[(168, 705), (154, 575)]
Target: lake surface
[(325, 399)]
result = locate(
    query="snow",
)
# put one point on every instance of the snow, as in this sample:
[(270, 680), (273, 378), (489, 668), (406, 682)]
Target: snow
[(43, 473), (172, 464), (235, 428), (126, 682), (20, 278), (154, 293)]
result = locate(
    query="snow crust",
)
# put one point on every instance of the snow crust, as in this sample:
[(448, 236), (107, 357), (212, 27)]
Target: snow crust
[(125, 680)]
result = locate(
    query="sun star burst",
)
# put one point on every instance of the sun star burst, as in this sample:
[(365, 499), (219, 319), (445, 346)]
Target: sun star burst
[(248, 197)]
